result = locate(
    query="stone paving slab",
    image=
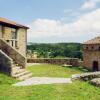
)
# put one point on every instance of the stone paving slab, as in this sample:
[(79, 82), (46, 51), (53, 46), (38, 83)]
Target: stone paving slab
[(32, 64), (42, 80)]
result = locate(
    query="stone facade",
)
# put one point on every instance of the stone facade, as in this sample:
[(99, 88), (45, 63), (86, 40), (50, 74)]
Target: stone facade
[(12, 53), (13, 40), (19, 43), (91, 54)]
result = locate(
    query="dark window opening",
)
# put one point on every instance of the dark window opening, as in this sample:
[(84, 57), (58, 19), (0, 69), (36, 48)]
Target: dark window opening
[(87, 48), (92, 47), (95, 66), (12, 44), (16, 45), (99, 48)]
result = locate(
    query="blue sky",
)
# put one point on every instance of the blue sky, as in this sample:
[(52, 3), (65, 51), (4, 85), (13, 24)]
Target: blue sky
[(55, 20), (26, 11)]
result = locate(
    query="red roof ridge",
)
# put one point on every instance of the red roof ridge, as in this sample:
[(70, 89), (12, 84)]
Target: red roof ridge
[(7, 21)]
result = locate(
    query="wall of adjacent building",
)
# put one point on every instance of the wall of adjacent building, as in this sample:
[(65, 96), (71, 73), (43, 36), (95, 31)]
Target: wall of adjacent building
[(90, 55)]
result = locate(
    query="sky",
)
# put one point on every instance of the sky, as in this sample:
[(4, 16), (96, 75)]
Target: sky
[(53, 21)]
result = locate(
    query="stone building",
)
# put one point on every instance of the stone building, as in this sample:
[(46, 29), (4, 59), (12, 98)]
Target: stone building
[(32, 54), (91, 54), (13, 40)]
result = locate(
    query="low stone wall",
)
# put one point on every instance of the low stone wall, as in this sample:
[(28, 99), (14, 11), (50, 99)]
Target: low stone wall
[(80, 63), (5, 63), (68, 61), (86, 76)]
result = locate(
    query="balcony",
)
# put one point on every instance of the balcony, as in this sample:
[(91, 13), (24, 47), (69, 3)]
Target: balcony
[(13, 43)]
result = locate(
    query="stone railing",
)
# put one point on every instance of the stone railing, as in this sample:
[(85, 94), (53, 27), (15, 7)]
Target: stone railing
[(68, 61), (5, 63), (12, 53), (13, 43)]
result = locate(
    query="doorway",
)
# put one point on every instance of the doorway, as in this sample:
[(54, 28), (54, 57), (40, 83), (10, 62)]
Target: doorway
[(95, 66)]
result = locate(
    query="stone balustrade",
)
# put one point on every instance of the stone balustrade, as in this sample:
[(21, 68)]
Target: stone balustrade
[(12, 53)]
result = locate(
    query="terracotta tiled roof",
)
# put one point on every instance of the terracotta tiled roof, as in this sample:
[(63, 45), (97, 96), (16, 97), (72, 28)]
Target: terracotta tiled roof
[(95, 40), (6, 21)]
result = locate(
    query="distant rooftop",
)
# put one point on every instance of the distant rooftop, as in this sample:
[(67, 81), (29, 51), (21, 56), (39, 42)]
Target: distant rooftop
[(95, 40), (11, 23)]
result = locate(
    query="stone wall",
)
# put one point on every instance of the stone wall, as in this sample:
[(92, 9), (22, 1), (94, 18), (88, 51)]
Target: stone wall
[(22, 41), (91, 53), (5, 63), (80, 63), (86, 76), (68, 61), (90, 57)]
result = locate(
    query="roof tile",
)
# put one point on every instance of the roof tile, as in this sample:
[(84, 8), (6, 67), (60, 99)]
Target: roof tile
[(95, 40), (6, 21)]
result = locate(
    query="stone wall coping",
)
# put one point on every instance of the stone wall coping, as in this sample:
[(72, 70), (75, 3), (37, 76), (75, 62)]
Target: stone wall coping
[(53, 58)]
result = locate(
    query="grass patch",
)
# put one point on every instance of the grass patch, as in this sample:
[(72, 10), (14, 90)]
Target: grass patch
[(6, 80), (47, 70), (76, 91)]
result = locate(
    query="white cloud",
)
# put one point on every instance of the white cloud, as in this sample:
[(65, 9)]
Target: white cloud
[(96, 0), (44, 30), (89, 4)]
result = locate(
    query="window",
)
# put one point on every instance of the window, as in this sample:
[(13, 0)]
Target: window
[(87, 48), (99, 48), (16, 45), (14, 34), (12, 43), (92, 48)]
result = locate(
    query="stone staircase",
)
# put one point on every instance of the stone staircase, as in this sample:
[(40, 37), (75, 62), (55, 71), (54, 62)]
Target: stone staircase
[(12, 62), (20, 73)]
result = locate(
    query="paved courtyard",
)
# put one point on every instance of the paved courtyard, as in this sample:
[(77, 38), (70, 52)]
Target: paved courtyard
[(42, 80)]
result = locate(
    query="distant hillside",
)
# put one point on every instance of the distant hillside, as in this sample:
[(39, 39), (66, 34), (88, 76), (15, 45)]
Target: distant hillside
[(56, 49)]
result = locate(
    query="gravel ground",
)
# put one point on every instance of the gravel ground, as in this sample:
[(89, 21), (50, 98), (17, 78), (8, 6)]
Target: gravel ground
[(42, 80)]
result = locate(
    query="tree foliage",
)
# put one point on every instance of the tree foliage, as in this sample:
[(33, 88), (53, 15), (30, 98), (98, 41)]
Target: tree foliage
[(54, 50)]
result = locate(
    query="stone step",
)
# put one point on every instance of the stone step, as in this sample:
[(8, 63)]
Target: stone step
[(18, 71), (24, 77), (15, 68), (21, 74)]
